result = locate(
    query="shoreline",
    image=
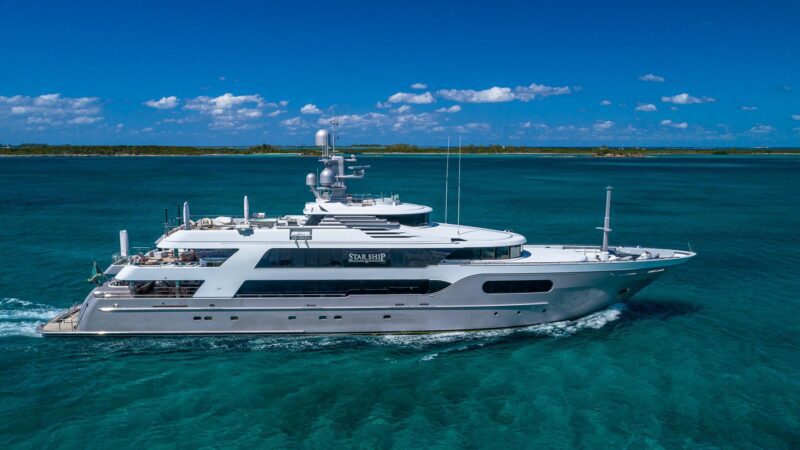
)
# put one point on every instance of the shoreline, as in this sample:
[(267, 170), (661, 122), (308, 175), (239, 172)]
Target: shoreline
[(303, 155)]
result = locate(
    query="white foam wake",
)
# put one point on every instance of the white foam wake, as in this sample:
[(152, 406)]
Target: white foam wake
[(20, 317)]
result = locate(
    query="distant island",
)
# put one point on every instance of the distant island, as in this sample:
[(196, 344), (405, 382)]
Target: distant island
[(264, 149)]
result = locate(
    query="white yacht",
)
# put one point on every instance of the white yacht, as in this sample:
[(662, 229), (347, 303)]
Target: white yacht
[(351, 264)]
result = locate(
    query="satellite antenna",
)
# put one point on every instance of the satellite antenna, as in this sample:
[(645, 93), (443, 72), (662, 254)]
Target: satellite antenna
[(606, 228), (446, 178)]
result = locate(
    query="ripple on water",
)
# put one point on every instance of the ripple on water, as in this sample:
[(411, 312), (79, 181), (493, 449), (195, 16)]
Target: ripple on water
[(20, 317)]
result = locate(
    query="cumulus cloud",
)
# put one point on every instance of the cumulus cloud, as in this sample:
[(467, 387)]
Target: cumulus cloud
[(686, 99), (371, 119), (310, 109), (527, 93), (670, 123), (472, 127), (491, 95), (648, 107), (276, 113), (603, 125), (795, 116), (51, 110), (498, 94), (419, 86), (418, 99), (762, 129), (652, 77), (228, 110), (163, 103), (402, 109), (450, 110), (605, 102), (749, 108)]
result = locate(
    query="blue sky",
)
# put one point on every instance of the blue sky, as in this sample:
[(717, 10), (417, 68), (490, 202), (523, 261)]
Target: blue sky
[(708, 73)]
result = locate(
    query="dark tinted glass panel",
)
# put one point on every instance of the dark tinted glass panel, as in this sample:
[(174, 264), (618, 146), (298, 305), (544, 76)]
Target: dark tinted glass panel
[(517, 286), (312, 288), (411, 220), (372, 257)]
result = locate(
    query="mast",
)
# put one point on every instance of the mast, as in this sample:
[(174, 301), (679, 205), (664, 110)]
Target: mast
[(458, 210), (606, 228), (446, 178)]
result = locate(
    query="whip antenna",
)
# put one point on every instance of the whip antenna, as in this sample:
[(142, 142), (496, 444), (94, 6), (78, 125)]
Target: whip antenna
[(459, 186), (446, 178), (606, 228)]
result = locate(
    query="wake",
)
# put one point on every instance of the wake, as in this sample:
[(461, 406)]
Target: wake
[(20, 317)]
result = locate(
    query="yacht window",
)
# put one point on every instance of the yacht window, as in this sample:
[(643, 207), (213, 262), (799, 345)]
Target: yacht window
[(340, 288), (379, 257), (411, 220), (517, 286), (165, 288)]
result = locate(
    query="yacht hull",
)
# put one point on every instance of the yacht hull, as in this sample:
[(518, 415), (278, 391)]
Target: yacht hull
[(462, 306)]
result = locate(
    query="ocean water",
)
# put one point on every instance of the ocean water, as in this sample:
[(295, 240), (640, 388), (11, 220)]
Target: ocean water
[(707, 357)]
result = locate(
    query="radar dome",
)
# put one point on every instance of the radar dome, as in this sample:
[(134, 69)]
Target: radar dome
[(327, 177), (311, 180), (321, 138)]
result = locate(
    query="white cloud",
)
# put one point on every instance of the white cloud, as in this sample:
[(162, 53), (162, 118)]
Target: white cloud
[(762, 129), (450, 110), (276, 113), (228, 110), (84, 120), (605, 102), (749, 108), (491, 95), (402, 108), (418, 99), (498, 94), (419, 86), (535, 126), (651, 77), (648, 107), (604, 125), (310, 109), (473, 126), (51, 110), (527, 93), (283, 103), (371, 119), (670, 123), (163, 103), (795, 116), (686, 99)]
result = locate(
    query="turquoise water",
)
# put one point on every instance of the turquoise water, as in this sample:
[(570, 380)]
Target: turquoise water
[(709, 356)]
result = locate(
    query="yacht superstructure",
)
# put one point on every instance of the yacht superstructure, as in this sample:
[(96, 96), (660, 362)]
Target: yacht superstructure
[(351, 264)]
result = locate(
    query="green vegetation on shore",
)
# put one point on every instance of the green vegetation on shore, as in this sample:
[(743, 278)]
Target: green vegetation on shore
[(158, 150)]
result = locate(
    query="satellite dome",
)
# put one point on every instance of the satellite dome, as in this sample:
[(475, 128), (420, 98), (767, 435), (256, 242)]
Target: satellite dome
[(321, 138), (311, 180), (327, 177)]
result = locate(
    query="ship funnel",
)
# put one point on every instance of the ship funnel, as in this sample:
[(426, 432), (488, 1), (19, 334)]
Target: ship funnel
[(123, 243), (187, 224), (246, 211)]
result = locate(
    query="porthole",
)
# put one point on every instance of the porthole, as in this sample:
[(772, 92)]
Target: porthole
[(544, 310), (292, 317), (337, 317), (207, 318), (234, 317), (211, 305), (387, 316), (519, 313), (197, 317), (495, 313), (323, 317)]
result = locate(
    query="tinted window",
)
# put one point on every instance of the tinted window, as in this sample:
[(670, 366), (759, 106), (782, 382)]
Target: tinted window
[(312, 288), (517, 286)]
